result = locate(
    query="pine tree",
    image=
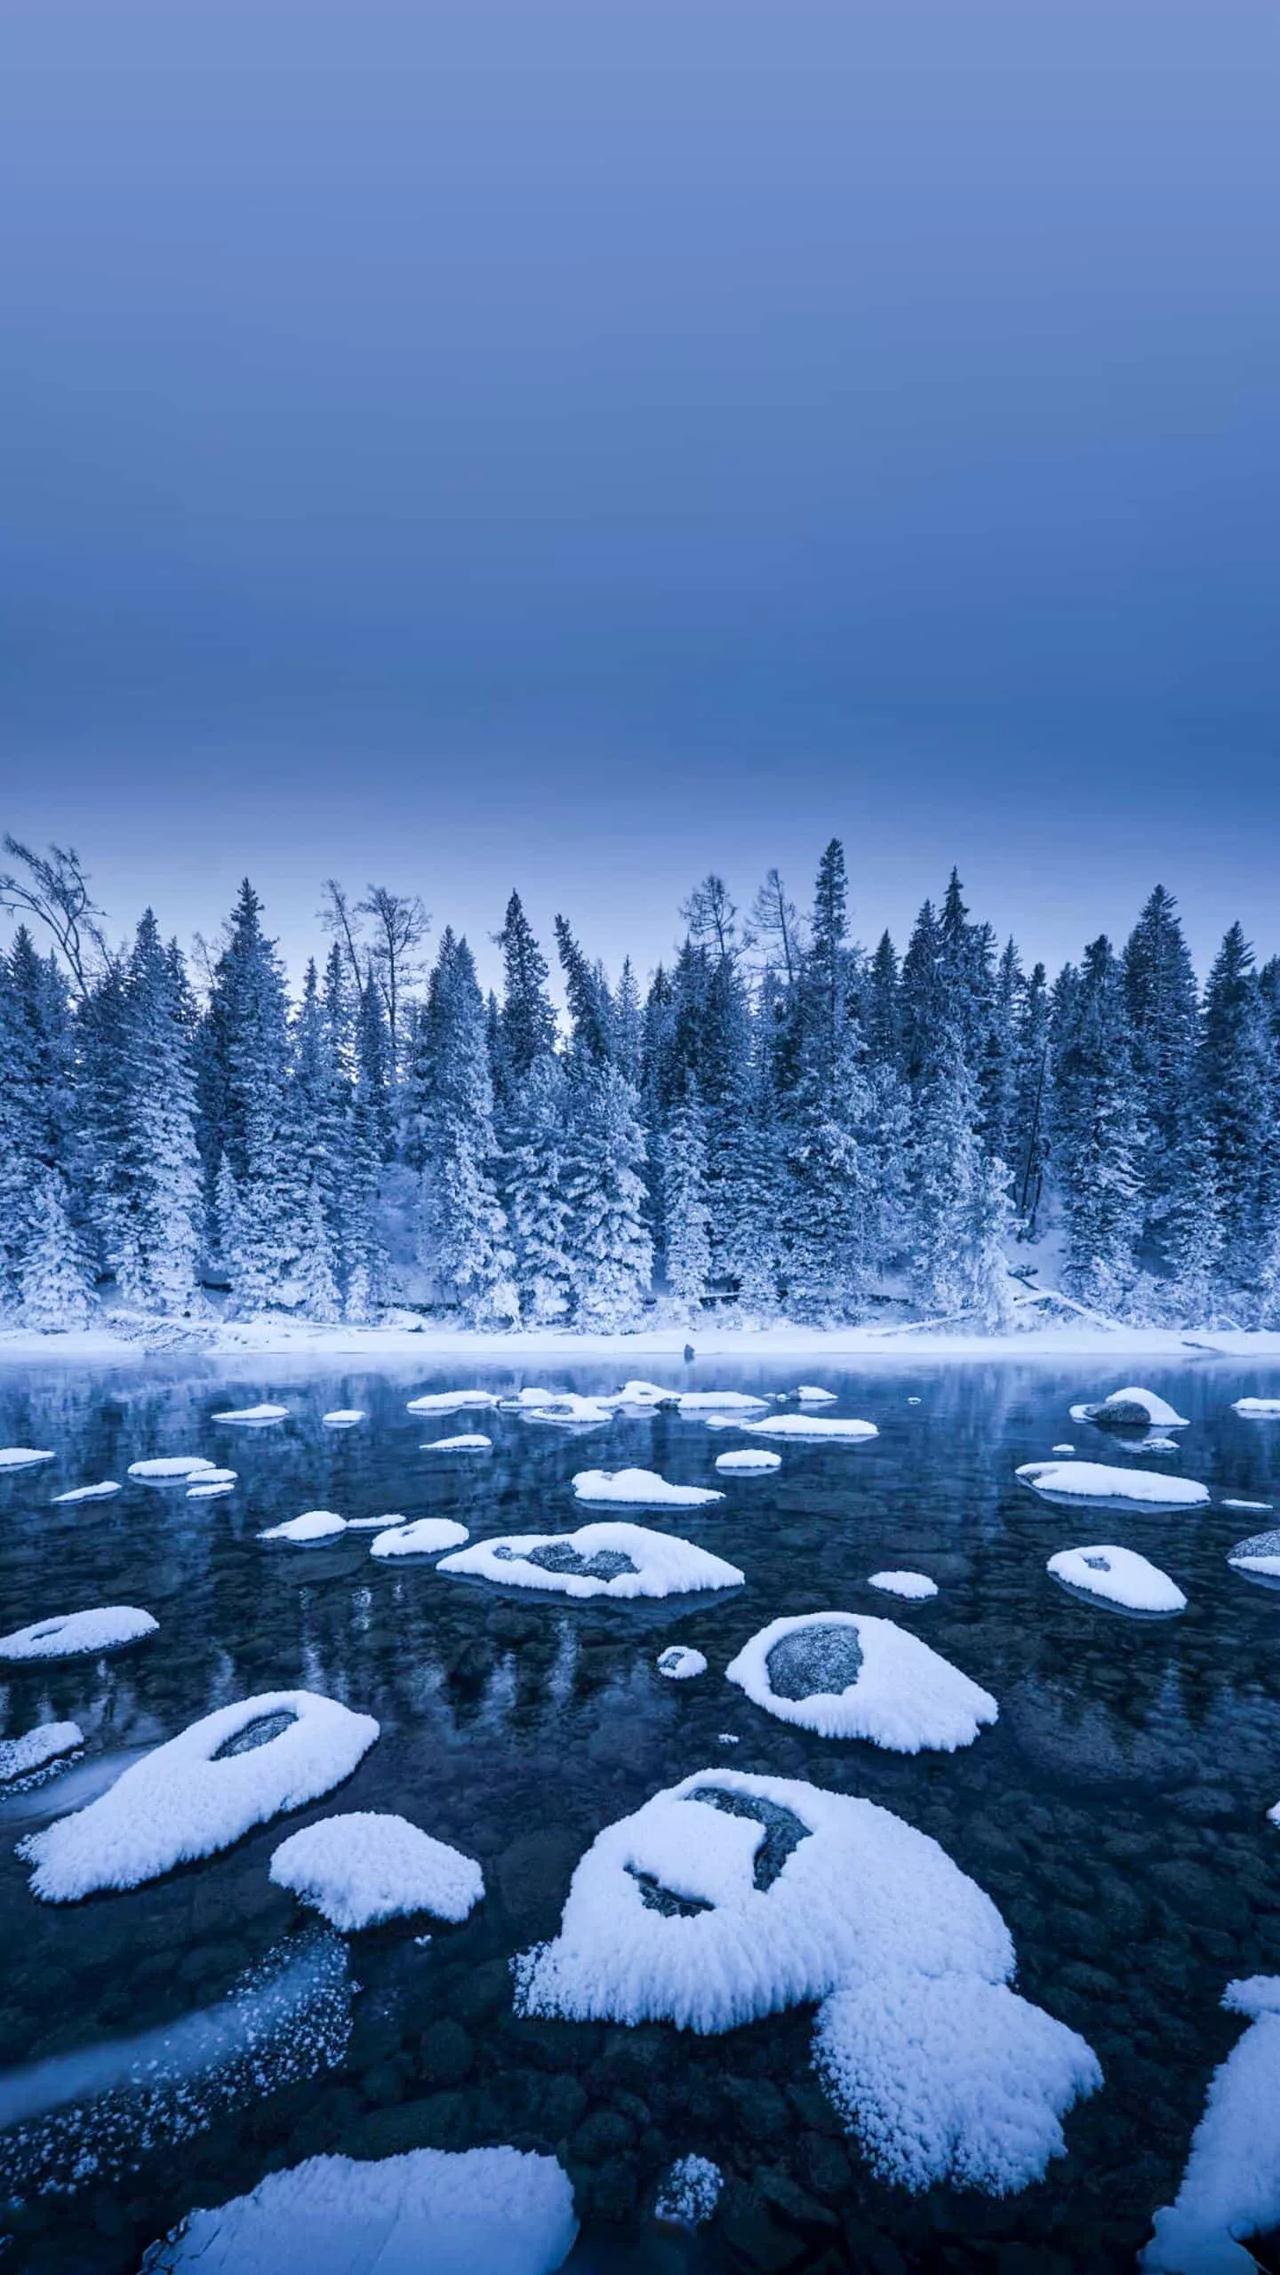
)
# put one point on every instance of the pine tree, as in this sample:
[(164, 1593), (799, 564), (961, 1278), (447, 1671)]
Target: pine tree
[(1098, 1133), (54, 1283), (609, 1252), (528, 1022), (1032, 1090), (153, 1228), (463, 1231), (685, 1213), (1163, 1006), (245, 1114), (825, 1192), (963, 1218), (35, 1101), (532, 1191)]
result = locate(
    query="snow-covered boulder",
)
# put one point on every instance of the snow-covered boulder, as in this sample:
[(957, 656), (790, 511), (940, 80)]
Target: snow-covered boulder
[(429, 2212), (680, 1664), (913, 1587), (211, 1484), (748, 1461), (452, 1401), (77, 1634), (1117, 1576), (170, 1469), (851, 1675), (466, 1441), (566, 1410), (369, 1866), (343, 1417), (819, 1429), (689, 2192), (1249, 1508), (204, 1789), (23, 1757), (641, 1489), (1230, 2186), (1131, 1409), (1101, 1483), (106, 1491), (425, 1536), (608, 1559), (308, 1530), (729, 1897), (23, 1457), (640, 1394), (1253, 1409), (254, 1417), (813, 1394), (1259, 1554)]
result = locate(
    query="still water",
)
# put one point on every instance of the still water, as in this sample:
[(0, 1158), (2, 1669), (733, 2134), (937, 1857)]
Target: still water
[(168, 2046)]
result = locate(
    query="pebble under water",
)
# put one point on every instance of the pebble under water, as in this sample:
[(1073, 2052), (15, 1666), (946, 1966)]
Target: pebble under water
[(168, 2046)]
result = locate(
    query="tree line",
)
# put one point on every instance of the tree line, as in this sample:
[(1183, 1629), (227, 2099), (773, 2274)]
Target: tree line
[(780, 1120)]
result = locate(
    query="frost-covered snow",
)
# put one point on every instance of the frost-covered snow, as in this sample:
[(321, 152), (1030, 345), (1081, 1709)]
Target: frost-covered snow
[(565, 1410), (813, 1394), (106, 1491), (823, 1428), (170, 1469), (1133, 1406), (73, 1634), (1063, 1449), (201, 1791), (452, 1401), (688, 1401), (211, 1484), (22, 1757), (1101, 1481), (1231, 2183), (641, 1489), (23, 1457), (680, 1664), (254, 1417), (689, 2193), (425, 1536), (1249, 1508), (1260, 1553), (851, 1675), (368, 1866), (730, 1896), (430, 2212), (913, 1587), (1258, 1409), (304, 1531), (1118, 1576), (606, 1559), (343, 1417), (748, 1461), (467, 1441)]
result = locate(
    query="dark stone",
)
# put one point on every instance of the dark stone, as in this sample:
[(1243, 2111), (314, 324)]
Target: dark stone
[(753, 2232), (796, 2208), (562, 1556), (603, 2134), (611, 2192), (254, 1734), (439, 2121), (481, 1990), (758, 2108), (445, 2053), (814, 1659), (533, 1875), (825, 2166), (783, 1830), (1119, 1414)]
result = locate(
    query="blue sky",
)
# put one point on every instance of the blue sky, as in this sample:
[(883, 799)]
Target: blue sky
[(578, 445)]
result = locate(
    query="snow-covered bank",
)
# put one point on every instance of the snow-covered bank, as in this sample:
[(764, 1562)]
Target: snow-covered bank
[(434, 1343)]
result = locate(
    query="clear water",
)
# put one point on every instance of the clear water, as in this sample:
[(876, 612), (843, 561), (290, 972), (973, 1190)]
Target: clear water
[(166, 2047)]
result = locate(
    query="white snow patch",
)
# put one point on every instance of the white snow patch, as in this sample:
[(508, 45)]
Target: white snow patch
[(1258, 1409), (22, 1757), (254, 1417), (812, 1394), (467, 1441), (730, 1897), (822, 1428), (565, 1410), (1231, 2183), (689, 2193), (641, 1489), (1118, 1576), (913, 1587), (607, 1559), (170, 1469), (1250, 1508), (1100, 1481), (191, 1796), (73, 1634), (426, 1536), (1260, 1553), (343, 1417), (23, 1457), (688, 1401), (369, 1866), (1157, 1411), (452, 1401), (430, 2212), (680, 1664), (304, 1531), (1063, 1449), (748, 1461), (851, 1675), (106, 1491)]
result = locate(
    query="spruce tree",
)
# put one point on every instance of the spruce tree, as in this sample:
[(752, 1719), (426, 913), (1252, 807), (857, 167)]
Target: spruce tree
[(1162, 1001), (532, 1192), (1240, 1086), (54, 1288), (463, 1233), (686, 1215), (1098, 1133), (609, 1251)]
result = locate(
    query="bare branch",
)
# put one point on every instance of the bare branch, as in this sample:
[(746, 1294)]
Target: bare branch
[(55, 891)]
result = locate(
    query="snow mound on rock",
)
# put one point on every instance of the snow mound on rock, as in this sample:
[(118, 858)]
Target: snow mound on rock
[(1231, 2183), (1099, 1481), (565, 1410), (204, 1789), (680, 1664), (850, 1675), (74, 1634), (254, 1417), (821, 1428), (429, 2212), (211, 1484), (1249, 1508), (748, 1461), (812, 1394), (304, 1531), (641, 1489), (1118, 1576), (343, 1417), (368, 1866), (425, 1536), (1131, 1408), (729, 1897), (106, 1491), (688, 1401), (1259, 1553), (452, 1401), (913, 1587), (22, 1757), (689, 2192), (23, 1457), (606, 1559), (1257, 1409), (170, 1469), (467, 1441)]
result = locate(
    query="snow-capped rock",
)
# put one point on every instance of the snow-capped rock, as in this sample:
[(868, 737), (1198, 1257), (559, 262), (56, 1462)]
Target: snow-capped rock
[(23, 1457), (368, 1866), (170, 1469), (1131, 1409), (1118, 1576), (748, 1461), (1102, 1483), (106, 1491), (680, 1664), (689, 2192), (425, 1536), (851, 1675), (308, 1530), (641, 1489), (254, 1417), (1230, 2186), (1257, 1409), (467, 1441), (820, 1429), (343, 1417), (913, 1587), (22, 1757), (1259, 1554), (607, 1559), (452, 1401), (77, 1634)]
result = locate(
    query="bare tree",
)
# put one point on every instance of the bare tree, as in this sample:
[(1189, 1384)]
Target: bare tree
[(712, 917), (55, 890), (400, 925), (775, 926), (337, 916)]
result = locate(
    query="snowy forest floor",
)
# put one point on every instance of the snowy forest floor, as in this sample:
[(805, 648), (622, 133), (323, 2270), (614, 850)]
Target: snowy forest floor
[(433, 1342)]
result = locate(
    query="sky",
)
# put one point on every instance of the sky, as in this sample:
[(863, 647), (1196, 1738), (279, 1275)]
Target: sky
[(574, 444)]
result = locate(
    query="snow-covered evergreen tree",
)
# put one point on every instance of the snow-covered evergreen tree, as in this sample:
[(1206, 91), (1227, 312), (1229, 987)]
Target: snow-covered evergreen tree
[(1162, 1001), (54, 1287), (532, 1191), (246, 1117), (152, 1228), (686, 1215), (1098, 1132), (463, 1229), (608, 1249), (963, 1219), (1240, 1087)]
